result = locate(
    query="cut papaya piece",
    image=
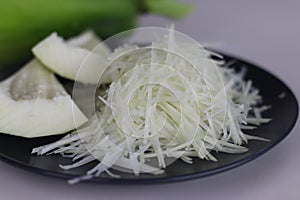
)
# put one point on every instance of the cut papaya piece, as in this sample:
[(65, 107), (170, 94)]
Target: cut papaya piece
[(74, 59), (33, 104)]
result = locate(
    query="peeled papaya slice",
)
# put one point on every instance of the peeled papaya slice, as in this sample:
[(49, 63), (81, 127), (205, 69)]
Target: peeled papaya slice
[(69, 59), (33, 103)]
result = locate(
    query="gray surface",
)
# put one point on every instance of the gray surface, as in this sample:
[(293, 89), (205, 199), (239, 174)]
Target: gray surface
[(265, 32)]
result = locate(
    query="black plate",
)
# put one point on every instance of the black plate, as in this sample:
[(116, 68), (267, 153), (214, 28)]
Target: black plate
[(284, 113)]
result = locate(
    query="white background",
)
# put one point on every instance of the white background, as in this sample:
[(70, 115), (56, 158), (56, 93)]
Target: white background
[(263, 31)]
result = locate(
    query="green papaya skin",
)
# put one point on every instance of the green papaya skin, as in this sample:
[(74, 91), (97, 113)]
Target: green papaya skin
[(25, 23)]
